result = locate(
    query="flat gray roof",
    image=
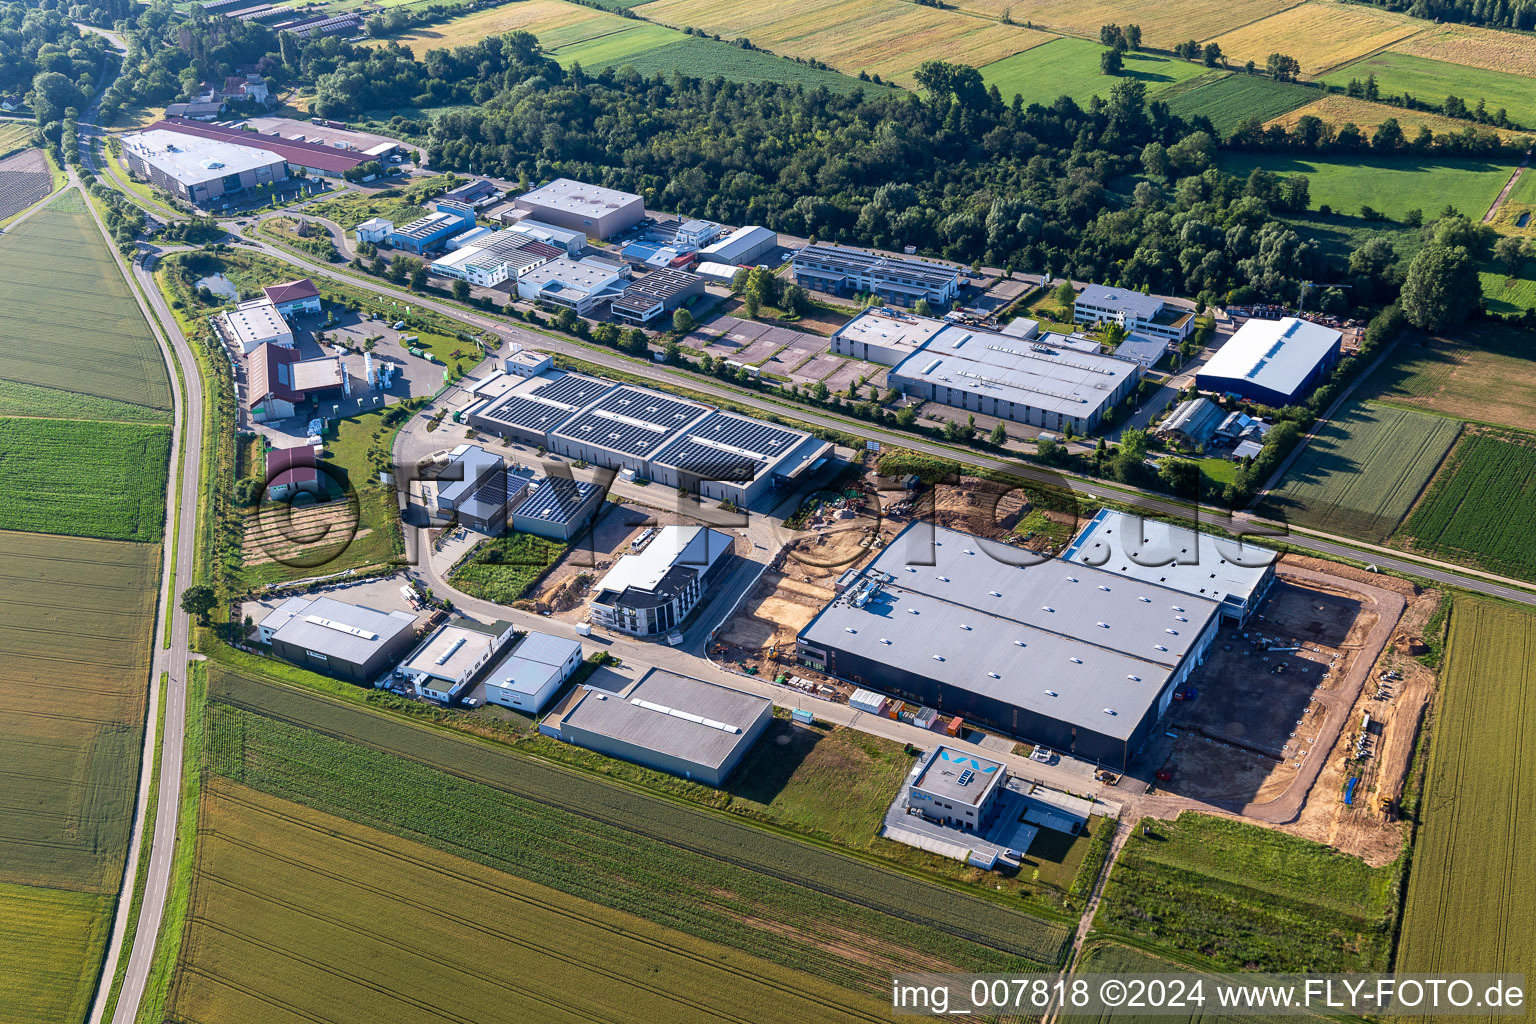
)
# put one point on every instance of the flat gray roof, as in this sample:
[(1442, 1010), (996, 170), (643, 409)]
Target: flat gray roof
[(650, 725), (457, 644), (1058, 638), (1124, 300), (1211, 568), (349, 632), (529, 666), (571, 196), (193, 160), (963, 778), (893, 329)]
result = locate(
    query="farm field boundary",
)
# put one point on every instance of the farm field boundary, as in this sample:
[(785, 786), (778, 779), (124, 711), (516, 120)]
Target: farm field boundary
[(578, 815), (1471, 902), (1392, 186), (1162, 24), (1322, 34), (1230, 100), (1430, 80), (284, 928), (50, 949), (1477, 510)]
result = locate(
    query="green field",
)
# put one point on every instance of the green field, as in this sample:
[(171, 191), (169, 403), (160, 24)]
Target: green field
[(701, 872), (1231, 100), (19, 399), (1471, 902), (1505, 294), (612, 47), (1241, 897), (87, 479), (15, 135), (287, 927), (50, 951), (502, 568), (1390, 186), (707, 58), (1431, 81), (71, 322), (1362, 472), (1070, 67), (1479, 507), (1455, 376)]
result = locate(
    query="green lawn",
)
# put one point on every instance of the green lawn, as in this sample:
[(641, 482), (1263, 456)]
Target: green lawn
[(1390, 186), (1230, 100), (1070, 67), (1432, 81)]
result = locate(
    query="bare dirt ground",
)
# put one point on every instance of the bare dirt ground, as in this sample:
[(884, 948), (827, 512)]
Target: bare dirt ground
[(281, 531)]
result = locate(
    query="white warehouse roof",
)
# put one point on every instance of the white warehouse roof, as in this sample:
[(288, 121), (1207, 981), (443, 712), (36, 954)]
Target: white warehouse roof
[(192, 160), (1275, 354), (695, 546)]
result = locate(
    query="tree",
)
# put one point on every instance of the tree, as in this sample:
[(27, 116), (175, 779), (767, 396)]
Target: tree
[(1211, 55), (1048, 449), (1181, 475), (1110, 62), (1130, 456), (922, 308), (1510, 251), (634, 341), (751, 306), (248, 491), (999, 435), (1154, 159), (199, 599), (1133, 36), (1282, 67), (682, 320), (1113, 333), (418, 276), (461, 290), (1065, 295), (1441, 288)]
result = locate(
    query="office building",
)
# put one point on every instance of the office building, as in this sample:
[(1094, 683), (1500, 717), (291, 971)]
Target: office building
[(653, 592), (294, 298), (841, 270), (581, 285), (1147, 315)]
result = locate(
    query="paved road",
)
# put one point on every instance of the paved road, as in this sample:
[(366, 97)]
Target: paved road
[(187, 446)]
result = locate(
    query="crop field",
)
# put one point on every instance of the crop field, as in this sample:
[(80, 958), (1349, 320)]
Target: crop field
[(1392, 186), (502, 568), (1452, 376), (612, 47), (1471, 902), (1363, 471), (1231, 100), (1470, 46), (1478, 509), (701, 872), (1321, 34), (555, 22), (88, 479), (284, 928), (706, 58), (885, 37), (76, 646), (1338, 110), (15, 135), (20, 399), (1241, 897), (1162, 24), (70, 320), (1433, 80), (1070, 67), (50, 952)]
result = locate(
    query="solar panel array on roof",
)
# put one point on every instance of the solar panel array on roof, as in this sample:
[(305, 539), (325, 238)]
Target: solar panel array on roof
[(631, 421), (556, 499), (726, 447), (572, 389), (544, 407)]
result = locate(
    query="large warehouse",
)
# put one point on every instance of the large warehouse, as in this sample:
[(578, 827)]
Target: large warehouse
[(727, 457), (1220, 569), (347, 641), (1275, 362), (668, 722), (198, 169), (1067, 655), (532, 410), (1043, 382), (592, 209)]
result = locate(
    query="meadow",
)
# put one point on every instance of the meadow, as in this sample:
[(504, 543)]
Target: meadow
[(503, 568), (1241, 897), (1400, 74), (285, 928), (1233, 99), (706, 58), (1162, 24), (1338, 109), (1070, 67), (885, 37), (86, 478), (1505, 294), (1451, 376), (76, 647), (1391, 186), (1321, 34), (50, 952), (1474, 47), (15, 135), (1471, 903), (682, 867), (71, 322), (1363, 471), (1478, 510)]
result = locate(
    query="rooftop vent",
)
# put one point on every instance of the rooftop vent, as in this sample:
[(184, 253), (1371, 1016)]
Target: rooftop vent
[(1076, 661), (1110, 711)]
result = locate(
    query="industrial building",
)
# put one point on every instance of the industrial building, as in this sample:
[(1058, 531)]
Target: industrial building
[(887, 336), (672, 723), (303, 158), (1143, 349), (468, 238), (496, 258), (625, 427), (1060, 653), (474, 193), (598, 212), (580, 285), (198, 169), (526, 362), (727, 457), (570, 241), (294, 298), (558, 508), (958, 790), (423, 234), (346, 641), (528, 675), (450, 659), (654, 591), (1044, 383), (1235, 575), (253, 324), (656, 294), (474, 487), (744, 245), (841, 270), (1194, 422), (1139, 314), (1274, 362), (292, 471), (531, 411), (279, 382)]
